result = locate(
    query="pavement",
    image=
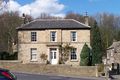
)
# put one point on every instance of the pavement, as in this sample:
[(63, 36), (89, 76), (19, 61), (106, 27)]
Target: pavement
[(116, 77), (113, 77), (33, 76), (26, 76)]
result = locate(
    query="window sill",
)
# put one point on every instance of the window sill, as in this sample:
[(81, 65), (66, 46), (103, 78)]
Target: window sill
[(33, 41), (74, 60), (73, 41), (53, 41), (33, 60)]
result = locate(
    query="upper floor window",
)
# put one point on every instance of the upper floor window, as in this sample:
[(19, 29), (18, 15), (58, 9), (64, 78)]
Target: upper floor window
[(53, 36), (73, 36), (73, 54), (33, 36)]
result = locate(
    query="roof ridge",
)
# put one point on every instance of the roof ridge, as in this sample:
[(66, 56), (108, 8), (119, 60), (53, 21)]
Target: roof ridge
[(80, 23), (50, 19), (22, 25)]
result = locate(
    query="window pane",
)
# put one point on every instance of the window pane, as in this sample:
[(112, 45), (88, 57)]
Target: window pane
[(33, 53), (34, 56), (73, 36), (51, 55), (53, 36), (73, 54), (54, 55), (33, 36)]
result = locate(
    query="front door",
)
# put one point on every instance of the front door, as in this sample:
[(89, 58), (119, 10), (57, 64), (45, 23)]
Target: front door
[(53, 55)]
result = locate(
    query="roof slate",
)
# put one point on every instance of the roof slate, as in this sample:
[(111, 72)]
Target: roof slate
[(53, 24)]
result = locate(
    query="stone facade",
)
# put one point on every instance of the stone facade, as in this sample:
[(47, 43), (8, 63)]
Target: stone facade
[(43, 43), (113, 53)]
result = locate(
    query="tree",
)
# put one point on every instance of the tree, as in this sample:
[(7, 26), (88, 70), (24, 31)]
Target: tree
[(96, 44), (118, 36), (109, 25), (80, 18), (64, 52), (47, 16), (8, 33), (85, 56), (75, 16)]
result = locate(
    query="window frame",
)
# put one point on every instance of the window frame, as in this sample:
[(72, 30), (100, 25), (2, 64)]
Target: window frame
[(33, 52), (33, 36), (73, 38), (53, 38), (73, 54)]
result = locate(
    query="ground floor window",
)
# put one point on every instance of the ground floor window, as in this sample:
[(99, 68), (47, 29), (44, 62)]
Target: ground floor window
[(73, 54), (33, 54)]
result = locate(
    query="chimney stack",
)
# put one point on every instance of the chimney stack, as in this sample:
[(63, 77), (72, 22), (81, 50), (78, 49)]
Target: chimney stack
[(86, 19)]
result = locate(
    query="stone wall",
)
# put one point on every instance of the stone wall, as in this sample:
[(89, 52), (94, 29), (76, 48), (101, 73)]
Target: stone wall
[(50, 69)]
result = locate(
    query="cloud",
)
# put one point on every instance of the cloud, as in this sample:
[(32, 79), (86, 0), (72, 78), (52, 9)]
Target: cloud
[(51, 7)]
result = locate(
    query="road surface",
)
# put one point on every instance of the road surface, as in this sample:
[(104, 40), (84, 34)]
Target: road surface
[(25, 76)]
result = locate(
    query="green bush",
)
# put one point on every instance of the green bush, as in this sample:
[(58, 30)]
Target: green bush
[(8, 56), (100, 67), (85, 56)]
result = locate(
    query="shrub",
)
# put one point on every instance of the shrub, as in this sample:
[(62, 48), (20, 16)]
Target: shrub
[(8, 56), (85, 56), (43, 57), (101, 67)]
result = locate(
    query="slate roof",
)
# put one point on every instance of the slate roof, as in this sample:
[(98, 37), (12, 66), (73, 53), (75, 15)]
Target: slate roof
[(53, 24)]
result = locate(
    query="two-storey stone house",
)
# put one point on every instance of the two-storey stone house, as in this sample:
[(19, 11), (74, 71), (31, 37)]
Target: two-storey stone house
[(45, 36)]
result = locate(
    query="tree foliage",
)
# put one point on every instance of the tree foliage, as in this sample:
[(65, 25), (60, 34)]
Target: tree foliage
[(80, 18), (96, 44), (8, 33), (109, 25), (8, 56), (85, 55), (75, 16)]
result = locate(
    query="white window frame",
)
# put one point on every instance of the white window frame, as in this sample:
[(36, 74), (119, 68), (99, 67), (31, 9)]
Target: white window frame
[(73, 54), (73, 37), (33, 54), (51, 36), (33, 36)]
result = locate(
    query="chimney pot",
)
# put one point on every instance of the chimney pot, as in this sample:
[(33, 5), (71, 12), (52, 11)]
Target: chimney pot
[(86, 19)]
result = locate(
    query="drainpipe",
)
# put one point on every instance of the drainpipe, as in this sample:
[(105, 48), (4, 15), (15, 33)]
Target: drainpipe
[(61, 46)]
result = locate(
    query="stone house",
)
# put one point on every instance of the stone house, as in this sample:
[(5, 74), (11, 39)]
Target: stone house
[(113, 53), (45, 36)]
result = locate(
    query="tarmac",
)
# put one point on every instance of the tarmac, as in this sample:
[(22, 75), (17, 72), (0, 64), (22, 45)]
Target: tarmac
[(112, 77)]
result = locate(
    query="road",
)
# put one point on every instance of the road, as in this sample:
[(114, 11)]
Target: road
[(25, 76)]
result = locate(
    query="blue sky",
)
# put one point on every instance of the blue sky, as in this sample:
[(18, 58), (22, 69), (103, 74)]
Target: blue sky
[(92, 6), (81, 6)]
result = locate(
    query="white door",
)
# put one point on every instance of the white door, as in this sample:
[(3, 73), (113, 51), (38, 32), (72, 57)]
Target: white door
[(53, 56)]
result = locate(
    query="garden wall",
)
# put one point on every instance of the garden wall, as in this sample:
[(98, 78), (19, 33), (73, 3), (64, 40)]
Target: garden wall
[(50, 69)]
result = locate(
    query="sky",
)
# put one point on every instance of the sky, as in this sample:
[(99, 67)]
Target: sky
[(62, 7)]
